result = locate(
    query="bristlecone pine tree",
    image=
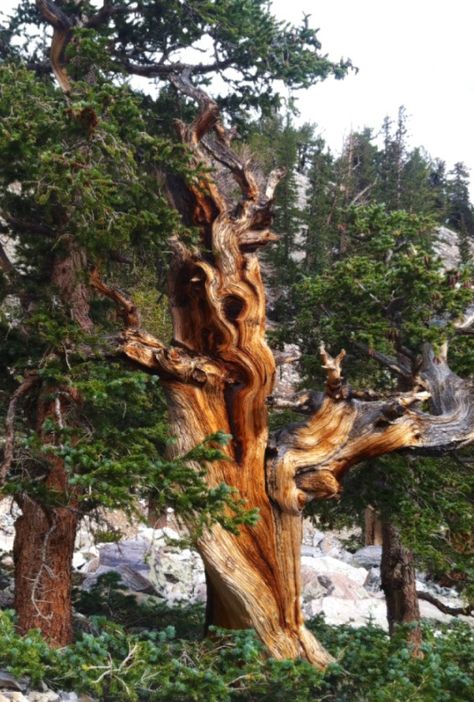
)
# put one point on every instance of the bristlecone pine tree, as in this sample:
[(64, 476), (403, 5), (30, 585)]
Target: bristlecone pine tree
[(218, 375)]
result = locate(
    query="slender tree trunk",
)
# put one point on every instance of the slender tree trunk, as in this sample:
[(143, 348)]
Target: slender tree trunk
[(46, 530), (399, 585), (372, 527)]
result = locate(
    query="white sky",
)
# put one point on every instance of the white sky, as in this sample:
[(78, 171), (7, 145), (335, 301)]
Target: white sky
[(416, 53)]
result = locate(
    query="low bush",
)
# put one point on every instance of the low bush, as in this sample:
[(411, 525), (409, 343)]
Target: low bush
[(114, 665)]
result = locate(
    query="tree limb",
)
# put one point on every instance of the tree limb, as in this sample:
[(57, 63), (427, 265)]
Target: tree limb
[(454, 611), (31, 378), (397, 366), (62, 26), (309, 460)]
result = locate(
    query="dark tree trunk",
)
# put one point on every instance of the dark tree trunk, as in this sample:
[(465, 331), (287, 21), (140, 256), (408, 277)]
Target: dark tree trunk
[(372, 527), (399, 585)]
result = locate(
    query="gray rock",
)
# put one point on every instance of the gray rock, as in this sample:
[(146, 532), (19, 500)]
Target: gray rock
[(177, 575), (328, 565), (368, 557), (9, 682), (133, 552), (12, 696), (311, 586), (373, 582), (48, 696), (339, 585), (128, 558), (68, 696), (312, 551)]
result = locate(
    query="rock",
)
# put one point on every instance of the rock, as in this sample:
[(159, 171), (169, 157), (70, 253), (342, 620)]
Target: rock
[(128, 559), (339, 585), (68, 696), (368, 557), (132, 552), (8, 696), (328, 565), (6, 542), (9, 682), (446, 245), (311, 587), (311, 535), (331, 546), (312, 551), (177, 575), (48, 696), (337, 611), (373, 582)]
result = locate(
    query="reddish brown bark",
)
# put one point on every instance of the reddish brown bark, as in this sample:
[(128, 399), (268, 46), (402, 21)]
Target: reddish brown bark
[(43, 550), (45, 532)]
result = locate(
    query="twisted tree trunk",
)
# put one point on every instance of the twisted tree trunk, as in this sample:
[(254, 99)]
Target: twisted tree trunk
[(218, 375)]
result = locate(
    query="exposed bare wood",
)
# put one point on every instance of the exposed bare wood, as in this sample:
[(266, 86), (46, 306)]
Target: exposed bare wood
[(62, 27), (8, 450), (129, 310), (333, 368)]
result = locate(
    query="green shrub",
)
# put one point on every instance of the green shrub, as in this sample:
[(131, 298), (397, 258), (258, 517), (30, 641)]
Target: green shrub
[(114, 665)]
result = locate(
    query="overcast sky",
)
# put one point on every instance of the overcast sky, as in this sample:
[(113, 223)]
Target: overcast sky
[(416, 53)]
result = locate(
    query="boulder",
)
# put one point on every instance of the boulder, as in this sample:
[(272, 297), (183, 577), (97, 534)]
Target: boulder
[(128, 558), (368, 557), (338, 610), (312, 588), (329, 565), (178, 575), (339, 585)]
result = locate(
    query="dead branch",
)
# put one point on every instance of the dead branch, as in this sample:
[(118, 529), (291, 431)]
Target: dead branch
[(129, 310), (31, 378), (62, 26), (397, 366), (454, 611), (343, 431), (333, 367)]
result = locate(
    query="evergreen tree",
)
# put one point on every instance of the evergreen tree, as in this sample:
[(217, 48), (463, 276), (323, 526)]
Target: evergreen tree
[(460, 215)]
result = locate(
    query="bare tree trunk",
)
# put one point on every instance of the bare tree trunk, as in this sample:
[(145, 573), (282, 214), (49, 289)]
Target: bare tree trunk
[(372, 527), (399, 585), (218, 374)]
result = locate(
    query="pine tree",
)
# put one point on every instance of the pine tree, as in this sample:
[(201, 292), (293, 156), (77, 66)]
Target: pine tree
[(460, 210)]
